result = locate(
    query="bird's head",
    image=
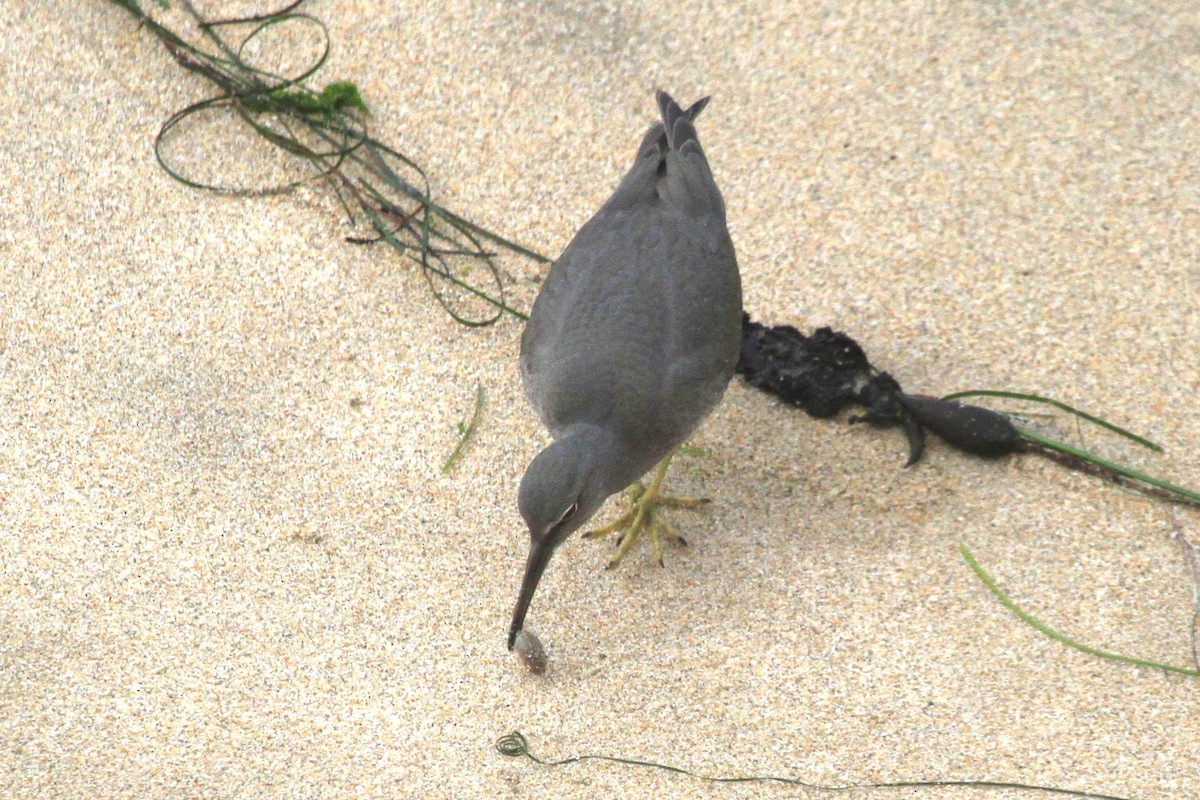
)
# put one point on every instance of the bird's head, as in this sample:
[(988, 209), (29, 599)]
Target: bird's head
[(561, 490)]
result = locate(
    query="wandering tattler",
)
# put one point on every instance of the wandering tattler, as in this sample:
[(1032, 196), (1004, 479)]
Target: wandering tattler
[(630, 344)]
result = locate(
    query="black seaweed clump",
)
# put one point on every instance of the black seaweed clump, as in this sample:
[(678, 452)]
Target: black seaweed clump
[(822, 374), (828, 371)]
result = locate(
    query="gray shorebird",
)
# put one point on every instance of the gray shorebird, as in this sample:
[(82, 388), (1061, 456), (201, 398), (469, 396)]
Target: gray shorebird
[(630, 345)]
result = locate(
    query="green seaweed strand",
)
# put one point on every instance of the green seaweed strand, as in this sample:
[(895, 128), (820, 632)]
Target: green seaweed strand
[(1037, 624), (467, 431)]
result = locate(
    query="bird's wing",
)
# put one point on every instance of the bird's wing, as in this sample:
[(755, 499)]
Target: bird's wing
[(655, 264)]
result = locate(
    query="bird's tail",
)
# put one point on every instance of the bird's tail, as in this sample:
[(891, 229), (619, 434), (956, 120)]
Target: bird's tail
[(677, 123), (689, 185), (674, 130)]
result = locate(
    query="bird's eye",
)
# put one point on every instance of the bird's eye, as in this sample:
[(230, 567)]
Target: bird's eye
[(566, 515)]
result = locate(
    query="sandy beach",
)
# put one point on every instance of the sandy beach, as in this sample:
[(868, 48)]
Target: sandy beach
[(232, 567)]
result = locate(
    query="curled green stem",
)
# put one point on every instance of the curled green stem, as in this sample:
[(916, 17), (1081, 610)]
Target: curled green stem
[(515, 745)]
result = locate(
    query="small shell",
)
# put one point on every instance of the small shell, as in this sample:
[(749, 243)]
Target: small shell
[(529, 648)]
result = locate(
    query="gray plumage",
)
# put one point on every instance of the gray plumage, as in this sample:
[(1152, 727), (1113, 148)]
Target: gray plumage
[(632, 339)]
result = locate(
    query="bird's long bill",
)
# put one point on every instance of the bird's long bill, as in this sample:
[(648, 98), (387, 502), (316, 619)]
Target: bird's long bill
[(539, 557)]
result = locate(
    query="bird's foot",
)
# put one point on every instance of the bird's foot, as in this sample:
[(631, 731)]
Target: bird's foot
[(644, 515)]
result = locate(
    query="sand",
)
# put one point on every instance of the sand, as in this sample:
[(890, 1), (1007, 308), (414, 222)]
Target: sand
[(231, 567)]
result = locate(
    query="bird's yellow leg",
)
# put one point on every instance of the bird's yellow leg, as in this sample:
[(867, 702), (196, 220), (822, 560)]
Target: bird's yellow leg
[(643, 515)]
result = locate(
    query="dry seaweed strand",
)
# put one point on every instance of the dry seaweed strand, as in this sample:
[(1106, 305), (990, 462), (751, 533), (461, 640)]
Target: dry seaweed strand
[(328, 131)]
